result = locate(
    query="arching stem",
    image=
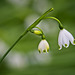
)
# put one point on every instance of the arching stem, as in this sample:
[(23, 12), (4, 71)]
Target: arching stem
[(60, 24), (25, 32)]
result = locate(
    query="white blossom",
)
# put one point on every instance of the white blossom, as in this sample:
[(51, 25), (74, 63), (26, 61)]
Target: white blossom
[(65, 38), (43, 46)]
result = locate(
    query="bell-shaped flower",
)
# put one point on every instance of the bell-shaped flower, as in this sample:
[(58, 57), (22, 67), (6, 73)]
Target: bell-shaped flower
[(65, 38), (43, 46)]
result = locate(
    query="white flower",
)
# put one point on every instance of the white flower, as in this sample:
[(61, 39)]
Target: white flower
[(43, 46), (65, 38)]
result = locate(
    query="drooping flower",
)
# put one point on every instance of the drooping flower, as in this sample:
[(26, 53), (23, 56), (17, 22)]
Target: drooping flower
[(43, 46), (65, 38)]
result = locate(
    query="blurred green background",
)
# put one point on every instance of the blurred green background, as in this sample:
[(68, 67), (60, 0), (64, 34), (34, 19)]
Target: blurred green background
[(24, 59)]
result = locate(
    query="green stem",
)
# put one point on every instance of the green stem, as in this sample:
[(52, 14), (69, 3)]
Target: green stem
[(60, 24), (43, 36), (39, 29), (28, 29), (39, 19)]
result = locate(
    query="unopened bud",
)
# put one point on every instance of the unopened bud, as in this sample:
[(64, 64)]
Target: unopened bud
[(37, 32)]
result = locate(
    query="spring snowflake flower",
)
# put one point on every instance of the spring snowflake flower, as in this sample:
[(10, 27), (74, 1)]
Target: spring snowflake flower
[(43, 46), (65, 38)]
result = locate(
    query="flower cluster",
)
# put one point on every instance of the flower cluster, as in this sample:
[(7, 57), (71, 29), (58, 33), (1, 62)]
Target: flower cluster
[(64, 39), (43, 45)]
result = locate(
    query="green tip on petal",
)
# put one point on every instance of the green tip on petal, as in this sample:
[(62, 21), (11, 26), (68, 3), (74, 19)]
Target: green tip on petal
[(44, 51), (59, 48), (74, 41), (66, 45), (39, 51), (48, 50)]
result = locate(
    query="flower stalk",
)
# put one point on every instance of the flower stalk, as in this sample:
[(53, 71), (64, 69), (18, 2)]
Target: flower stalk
[(60, 24), (25, 32)]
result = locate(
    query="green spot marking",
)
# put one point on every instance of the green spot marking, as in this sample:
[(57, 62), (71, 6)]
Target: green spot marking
[(59, 47), (48, 50), (44, 51), (39, 51), (65, 45), (74, 41)]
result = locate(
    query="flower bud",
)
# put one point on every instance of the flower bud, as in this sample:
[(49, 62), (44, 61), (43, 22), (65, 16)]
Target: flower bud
[(37, 32)]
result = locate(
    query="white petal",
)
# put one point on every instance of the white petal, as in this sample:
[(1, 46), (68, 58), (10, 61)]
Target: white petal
[(41, 46), (65, 41), (46, 44), (69, 36), (60, 39)]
